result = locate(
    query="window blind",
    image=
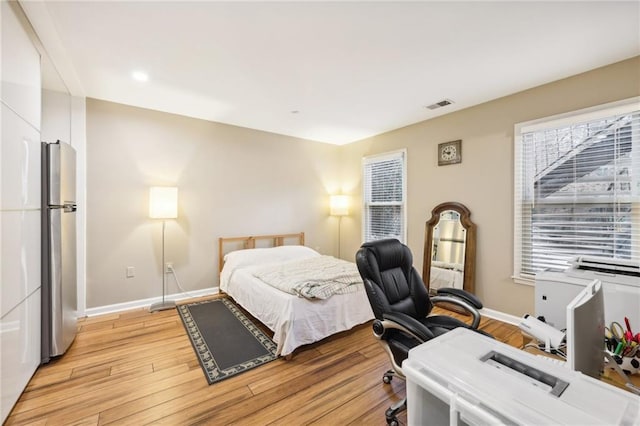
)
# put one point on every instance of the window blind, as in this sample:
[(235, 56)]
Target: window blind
[(577, 192), (384, 196)]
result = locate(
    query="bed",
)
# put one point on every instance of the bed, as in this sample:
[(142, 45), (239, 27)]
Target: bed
[(294, 320)]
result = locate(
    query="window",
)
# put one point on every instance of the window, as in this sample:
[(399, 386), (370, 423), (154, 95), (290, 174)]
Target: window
[(577, 188), (384, 180)]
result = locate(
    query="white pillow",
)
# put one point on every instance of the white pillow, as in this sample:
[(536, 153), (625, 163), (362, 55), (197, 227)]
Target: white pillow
[(260, 256), (294, 252)]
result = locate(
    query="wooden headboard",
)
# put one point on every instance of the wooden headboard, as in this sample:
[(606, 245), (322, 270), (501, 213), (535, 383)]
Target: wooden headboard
[(241, 243)]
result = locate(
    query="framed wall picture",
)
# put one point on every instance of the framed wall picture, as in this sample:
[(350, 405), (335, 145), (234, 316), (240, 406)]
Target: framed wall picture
[(450, 152)]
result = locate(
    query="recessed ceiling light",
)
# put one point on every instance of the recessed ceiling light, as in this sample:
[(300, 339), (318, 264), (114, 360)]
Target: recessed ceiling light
[(140, 76)]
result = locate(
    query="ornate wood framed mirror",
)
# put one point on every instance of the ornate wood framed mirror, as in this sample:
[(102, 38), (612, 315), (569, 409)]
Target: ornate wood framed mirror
[(449, 248)]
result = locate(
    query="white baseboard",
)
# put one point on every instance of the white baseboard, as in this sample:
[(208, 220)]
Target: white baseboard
[(135, 304), (501, 316)]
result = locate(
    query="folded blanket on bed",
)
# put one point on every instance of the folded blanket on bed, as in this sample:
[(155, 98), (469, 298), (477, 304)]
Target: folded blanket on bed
[(314, 278)]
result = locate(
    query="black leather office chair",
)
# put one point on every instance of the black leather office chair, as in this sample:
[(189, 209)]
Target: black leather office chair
[(401, 305)]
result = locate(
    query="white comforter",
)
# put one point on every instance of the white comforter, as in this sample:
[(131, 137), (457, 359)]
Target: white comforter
[(314, 278), (295, 321)]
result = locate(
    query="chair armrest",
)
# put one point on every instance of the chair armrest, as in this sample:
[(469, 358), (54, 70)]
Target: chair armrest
[(463, 304), (409, 325), (472, 299)]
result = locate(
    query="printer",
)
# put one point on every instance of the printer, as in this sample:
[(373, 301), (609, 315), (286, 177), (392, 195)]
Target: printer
[(620, 280), (463, 377)]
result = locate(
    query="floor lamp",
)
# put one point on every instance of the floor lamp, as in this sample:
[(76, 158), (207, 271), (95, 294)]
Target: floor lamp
[(163, 204), (339, 206)]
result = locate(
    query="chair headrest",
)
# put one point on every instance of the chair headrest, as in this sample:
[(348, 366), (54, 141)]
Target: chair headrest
[(390, 253)]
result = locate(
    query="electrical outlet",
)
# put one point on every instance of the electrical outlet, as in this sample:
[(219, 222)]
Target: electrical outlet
[(168, 266), (131, 272)]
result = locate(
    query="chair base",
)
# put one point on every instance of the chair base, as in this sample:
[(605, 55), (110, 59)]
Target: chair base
[(392, 412)]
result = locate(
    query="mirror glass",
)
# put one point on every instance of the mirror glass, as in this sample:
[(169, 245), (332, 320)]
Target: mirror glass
[(449, 248), (447, 252)]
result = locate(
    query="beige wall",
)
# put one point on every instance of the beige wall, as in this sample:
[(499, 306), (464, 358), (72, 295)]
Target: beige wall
[(232, 181), (484, 179), (237, 181)]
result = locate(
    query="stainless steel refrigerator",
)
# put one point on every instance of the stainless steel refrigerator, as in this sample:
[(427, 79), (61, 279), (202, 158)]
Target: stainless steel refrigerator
[(59, 293)]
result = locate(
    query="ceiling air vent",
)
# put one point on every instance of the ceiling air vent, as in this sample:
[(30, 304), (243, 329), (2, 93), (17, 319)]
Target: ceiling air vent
[(440, 104)]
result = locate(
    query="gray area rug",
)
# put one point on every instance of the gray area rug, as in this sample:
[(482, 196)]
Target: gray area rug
[(225, 340)]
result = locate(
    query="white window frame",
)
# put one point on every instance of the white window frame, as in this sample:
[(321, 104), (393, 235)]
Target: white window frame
[(587, 114), (402, 154)]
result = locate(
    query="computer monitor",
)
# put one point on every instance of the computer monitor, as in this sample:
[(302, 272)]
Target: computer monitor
[(585, 330)]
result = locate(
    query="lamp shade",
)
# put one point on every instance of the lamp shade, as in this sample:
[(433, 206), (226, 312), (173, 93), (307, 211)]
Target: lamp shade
[(163, 202), (339, 205)]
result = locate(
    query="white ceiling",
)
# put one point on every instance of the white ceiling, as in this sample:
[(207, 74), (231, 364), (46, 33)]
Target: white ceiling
[(335, 72)]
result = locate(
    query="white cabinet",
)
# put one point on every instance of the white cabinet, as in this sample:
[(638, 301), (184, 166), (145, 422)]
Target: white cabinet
[(21, 87), (20, 170), (21, 259), (19, 208), (554, 291), (20, 350)]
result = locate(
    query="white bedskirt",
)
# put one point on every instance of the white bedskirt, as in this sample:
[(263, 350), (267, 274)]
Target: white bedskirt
[(294, 320)]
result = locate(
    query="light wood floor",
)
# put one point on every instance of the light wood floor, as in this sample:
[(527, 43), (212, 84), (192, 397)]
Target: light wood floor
[(138, 368)]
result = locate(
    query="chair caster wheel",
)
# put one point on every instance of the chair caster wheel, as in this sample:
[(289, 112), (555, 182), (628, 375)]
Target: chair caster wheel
[(390, 415), (386, 377), (393, 421)]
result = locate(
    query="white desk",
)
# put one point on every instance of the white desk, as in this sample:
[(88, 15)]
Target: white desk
[(460, 378)]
